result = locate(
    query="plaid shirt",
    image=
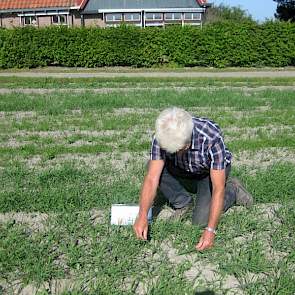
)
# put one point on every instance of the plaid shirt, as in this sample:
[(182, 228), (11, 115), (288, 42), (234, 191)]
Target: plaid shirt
[(207, 150)]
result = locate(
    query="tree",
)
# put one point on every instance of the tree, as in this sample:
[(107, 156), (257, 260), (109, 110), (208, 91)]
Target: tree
[(223, 12), (285, 10)]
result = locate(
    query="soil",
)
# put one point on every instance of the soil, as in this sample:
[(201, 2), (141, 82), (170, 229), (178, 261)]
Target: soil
[(105, 90)]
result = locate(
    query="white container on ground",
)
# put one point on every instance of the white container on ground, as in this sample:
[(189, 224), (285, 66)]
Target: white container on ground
[(122, 214)]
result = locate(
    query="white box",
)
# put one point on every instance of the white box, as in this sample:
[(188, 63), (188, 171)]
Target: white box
[(122, 214)]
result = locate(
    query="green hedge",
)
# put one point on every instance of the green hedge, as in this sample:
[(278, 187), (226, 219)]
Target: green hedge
[(217, 45)]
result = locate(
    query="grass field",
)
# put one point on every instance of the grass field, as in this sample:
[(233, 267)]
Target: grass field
[(69, 153)]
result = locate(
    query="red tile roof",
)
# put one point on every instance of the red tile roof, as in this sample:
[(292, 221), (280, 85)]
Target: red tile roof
[(33, 4), (202, 2)]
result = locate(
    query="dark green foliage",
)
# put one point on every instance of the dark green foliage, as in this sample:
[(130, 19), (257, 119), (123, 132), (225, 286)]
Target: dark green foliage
[(219, 45), (285, 10)]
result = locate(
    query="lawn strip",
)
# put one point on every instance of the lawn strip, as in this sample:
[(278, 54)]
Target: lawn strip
[(70, 188), (27, 82), (133, 145), (54, 103), (174, 87)]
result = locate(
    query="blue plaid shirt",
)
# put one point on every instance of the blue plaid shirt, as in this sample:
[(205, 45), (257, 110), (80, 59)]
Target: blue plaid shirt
[(207, 149)]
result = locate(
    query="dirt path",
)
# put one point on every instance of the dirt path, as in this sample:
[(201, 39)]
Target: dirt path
[(158, 74)]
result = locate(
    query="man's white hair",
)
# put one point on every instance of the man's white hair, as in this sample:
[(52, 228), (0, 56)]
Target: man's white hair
[(174, 128)]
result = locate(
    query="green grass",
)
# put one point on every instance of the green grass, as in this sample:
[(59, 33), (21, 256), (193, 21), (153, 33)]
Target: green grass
[(70, 188), (67, 172), (59, 103), (124, 82)]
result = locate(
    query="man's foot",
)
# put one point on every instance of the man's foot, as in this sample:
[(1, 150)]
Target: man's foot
[(243, 197), (180, 213)]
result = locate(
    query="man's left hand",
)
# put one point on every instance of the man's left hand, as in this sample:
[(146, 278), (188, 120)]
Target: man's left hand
[(206, 241)]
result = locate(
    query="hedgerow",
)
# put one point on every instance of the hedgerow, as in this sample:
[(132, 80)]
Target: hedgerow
[(226, 44)]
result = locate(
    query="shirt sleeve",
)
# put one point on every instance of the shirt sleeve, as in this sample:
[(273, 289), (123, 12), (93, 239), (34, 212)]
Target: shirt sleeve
[(217, 154), (156, 152)]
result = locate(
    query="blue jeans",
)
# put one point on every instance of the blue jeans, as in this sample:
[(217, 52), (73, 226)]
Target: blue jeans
[(177, 188)]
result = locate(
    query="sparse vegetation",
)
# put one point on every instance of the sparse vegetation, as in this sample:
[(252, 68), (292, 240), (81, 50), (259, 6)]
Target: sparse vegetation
[(65, 157)]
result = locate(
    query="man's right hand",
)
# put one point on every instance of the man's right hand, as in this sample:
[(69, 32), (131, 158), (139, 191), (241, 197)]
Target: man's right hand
[(141, 227), (148, 192)]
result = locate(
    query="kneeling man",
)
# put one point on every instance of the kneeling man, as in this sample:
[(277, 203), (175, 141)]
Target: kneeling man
[(189, 154)]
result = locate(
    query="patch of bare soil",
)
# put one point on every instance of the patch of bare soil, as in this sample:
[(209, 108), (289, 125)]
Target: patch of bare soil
[(255, 132), (86, 138), (19, 114), (266, 240), (34, 221), (268, 212), (34, 161), (127, 111), (202, 273), (172, 86), (264, 158), (82, 143), (264, 213), (54, 287), (193, 110), (117, 161), (67, 133), (38, 222), (14, 143), (98, 216)]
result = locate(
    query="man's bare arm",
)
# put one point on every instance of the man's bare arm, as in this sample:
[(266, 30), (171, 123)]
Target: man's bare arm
[(148, 193), (217, 202)]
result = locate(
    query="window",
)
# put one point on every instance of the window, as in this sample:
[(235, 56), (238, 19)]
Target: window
[(173, 16), (192, 16), (154, 16), (59, 19), (113, 17), (132, 16), (30, 20)]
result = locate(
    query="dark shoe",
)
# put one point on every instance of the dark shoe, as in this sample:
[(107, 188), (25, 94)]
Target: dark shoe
[(243, 197)]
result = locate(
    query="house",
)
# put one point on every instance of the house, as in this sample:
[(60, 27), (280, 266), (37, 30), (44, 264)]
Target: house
[(144, 13), (20, 13), (101, 13)]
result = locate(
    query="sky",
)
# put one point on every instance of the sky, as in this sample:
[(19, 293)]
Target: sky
[(259, 9)]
